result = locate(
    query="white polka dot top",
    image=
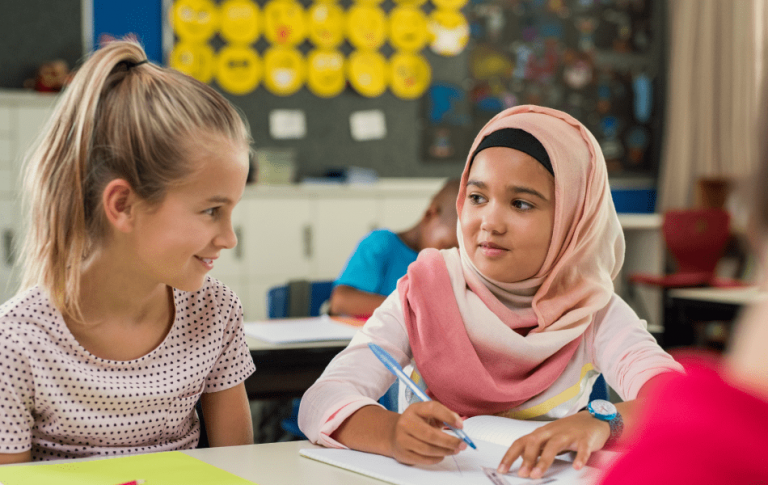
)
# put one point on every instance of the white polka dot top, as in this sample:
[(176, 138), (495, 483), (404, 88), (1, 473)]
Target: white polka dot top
[(63, 402)]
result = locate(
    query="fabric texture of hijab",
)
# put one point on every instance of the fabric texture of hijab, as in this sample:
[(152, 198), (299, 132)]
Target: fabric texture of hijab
[(484, 346)]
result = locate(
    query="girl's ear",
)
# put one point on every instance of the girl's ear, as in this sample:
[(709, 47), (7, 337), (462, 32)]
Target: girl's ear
[(119, 202)]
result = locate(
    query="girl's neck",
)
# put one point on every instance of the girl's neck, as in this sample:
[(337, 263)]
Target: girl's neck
[(112, 291)]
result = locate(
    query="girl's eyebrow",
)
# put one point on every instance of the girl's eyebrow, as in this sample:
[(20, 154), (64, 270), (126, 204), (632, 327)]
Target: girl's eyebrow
[(516, 189), (218, 199)]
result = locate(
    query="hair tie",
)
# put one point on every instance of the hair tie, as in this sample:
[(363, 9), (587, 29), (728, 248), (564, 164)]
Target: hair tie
[(138, 63)]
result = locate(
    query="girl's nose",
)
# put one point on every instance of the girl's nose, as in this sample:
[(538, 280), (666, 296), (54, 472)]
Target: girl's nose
[(227, 239), (492, 220)]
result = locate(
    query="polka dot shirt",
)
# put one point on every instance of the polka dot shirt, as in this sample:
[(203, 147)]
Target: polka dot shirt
[(63, 402)]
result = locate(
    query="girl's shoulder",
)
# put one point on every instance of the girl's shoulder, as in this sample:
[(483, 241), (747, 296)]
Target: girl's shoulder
[(30, 314), (213, 295)]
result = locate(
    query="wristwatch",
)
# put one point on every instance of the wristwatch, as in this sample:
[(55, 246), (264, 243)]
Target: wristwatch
[(606, 411)]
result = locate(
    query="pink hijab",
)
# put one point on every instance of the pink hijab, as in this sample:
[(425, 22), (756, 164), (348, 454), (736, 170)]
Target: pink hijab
[(484, 346)]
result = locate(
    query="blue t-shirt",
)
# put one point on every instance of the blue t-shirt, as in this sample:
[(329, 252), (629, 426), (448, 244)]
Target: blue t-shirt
[(380, 259)]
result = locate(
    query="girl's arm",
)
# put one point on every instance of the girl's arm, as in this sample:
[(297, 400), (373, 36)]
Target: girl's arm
[(348, 300), (8, 458), (228, 417)]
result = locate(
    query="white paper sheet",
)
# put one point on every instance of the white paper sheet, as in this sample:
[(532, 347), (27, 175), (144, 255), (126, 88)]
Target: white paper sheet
[(299, 330)]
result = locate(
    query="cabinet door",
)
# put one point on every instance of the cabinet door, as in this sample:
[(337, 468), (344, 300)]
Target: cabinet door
[(7, 181), (340, 223), (9, 237), (276, 237), (401, 213)]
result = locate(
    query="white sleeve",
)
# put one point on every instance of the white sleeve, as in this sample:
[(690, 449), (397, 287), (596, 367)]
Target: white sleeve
[(355, 377), (625, 352)]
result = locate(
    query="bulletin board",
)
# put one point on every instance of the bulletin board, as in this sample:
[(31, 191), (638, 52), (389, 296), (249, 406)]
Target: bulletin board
[(600, 60)]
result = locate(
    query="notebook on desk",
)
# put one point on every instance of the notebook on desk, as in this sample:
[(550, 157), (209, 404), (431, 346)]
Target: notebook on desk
[(491, 434), (290, 330), (167, 468)]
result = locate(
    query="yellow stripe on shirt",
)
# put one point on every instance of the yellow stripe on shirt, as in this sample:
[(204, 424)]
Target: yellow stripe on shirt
[(551, 403)]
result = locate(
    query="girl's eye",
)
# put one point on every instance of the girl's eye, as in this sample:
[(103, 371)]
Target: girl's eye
[(213, 211), (522, 205), (476, 198)]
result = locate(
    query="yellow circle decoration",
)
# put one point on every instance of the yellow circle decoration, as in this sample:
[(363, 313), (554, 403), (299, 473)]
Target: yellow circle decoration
[(284, 70), (412, 3), (240, 21), (366, 26), (238, 69), (408, 28), (367, 2), (409, 75), (449, 4), (449, 32), (194, 20), (326, 25), (367, 73), (285, 22), (325, 77), (196, 60)]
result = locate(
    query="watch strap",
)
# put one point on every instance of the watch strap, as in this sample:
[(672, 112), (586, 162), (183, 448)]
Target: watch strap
[(617, 428)]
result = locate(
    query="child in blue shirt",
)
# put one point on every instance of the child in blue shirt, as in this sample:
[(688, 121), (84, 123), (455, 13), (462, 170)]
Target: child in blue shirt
[(383, 256)]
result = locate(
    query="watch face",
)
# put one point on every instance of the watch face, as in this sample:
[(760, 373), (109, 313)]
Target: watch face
[(602, 407)]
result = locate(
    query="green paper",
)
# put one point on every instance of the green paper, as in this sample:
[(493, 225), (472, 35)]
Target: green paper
[(166, 468)]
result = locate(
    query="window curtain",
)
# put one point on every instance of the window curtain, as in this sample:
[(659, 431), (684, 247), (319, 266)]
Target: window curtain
[(715, 57)]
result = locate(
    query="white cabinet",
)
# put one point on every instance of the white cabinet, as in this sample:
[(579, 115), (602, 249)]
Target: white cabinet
[(340, 223), (22, 117)]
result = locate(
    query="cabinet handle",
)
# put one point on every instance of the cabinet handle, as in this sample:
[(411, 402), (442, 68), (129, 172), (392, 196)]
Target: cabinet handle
[(239, 248), (308, 241), (8, 247)]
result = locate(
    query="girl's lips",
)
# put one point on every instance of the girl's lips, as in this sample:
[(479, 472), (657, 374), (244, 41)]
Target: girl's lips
[(491, 250), (207, 262)]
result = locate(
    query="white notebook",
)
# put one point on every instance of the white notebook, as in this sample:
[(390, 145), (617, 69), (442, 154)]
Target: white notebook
[(291, 330), (491, 434)]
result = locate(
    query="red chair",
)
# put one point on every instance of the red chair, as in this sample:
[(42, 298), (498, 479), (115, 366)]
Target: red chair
[(696, 239)]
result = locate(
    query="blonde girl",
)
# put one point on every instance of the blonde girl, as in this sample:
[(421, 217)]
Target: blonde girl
[(519, 321), (118, 331)]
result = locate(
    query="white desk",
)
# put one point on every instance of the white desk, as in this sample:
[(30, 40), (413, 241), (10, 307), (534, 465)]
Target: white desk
[(281, 464)]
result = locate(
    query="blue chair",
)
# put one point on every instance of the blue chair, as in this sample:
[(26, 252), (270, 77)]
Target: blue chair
[(599, 389)]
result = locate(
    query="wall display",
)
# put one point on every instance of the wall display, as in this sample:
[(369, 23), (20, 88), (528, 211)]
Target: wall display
[(601, 61), (245, 32)]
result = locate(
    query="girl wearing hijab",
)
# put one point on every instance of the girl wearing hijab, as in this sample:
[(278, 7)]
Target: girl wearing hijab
[(519, 321)]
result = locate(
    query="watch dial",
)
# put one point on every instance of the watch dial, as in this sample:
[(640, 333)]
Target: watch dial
[(603, 407)]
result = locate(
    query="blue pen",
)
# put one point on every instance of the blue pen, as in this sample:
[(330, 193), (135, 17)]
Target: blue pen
[(391, 364)]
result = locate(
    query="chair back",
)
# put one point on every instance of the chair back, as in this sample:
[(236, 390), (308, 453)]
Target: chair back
[(696, 238), (298, 298)]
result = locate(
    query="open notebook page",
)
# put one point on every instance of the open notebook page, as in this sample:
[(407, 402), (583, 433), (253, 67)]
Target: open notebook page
[(462, 469), (502, 431)]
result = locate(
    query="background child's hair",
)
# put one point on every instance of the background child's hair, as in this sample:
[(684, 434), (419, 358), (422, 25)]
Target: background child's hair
[(119, 118)]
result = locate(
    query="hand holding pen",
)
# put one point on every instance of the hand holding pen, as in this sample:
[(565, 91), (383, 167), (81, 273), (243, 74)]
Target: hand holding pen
[(392, 365)]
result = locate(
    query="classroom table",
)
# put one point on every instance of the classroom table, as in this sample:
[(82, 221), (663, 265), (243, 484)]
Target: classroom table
[(287, 370), (686, 306)]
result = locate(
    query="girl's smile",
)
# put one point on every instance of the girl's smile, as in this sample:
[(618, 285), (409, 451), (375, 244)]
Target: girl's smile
[(508, 215)]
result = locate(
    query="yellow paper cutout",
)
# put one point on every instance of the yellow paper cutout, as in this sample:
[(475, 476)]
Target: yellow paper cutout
[(408, 28), (240, 21), (238, 69), (326, 25), (449, 4), (196, 60), (194, 20), (284, 70), (285, 22), (366, 26), (367, 73), (166, 468), (409, 75), (411, 3), (325, 76), (449, 32)]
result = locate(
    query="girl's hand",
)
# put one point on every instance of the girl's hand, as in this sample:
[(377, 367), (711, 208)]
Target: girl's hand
[(581, 433), (417, 437)]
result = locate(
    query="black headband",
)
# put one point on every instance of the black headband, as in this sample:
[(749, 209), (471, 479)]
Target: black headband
[(516, 139)]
